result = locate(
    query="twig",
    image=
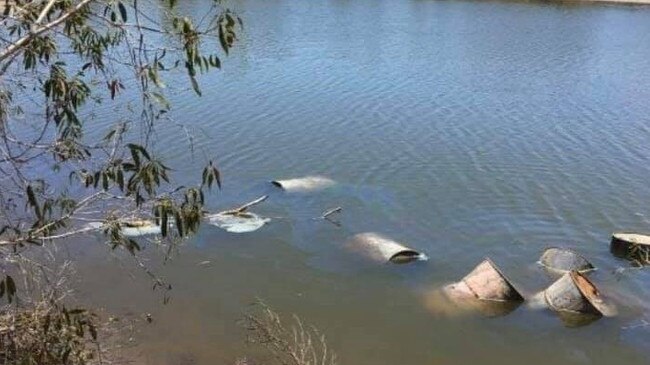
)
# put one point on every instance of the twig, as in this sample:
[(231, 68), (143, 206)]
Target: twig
[(244, 207), (331, 211), (16, 46), (326, 216)]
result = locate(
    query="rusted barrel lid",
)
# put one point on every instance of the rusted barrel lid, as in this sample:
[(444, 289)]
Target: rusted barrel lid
[(487, 282), (564, 260)]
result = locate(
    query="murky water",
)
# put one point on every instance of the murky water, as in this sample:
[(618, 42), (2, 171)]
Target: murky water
[(465, 129)]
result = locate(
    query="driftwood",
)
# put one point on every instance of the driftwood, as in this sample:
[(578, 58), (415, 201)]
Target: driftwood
[(242, 209), (328, 213), (563, 260), (238, 220)]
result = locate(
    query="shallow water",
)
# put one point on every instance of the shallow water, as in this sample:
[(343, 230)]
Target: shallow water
[(463, 129)]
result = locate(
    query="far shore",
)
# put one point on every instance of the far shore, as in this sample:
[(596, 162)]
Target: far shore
[(623, 2), (619, 2)]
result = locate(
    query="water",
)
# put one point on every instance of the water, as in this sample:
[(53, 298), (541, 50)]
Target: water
[(465, 129)]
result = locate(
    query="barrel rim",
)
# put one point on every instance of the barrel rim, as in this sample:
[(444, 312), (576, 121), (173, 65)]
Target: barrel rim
[(589, 297), (647, 234), (408, 253)]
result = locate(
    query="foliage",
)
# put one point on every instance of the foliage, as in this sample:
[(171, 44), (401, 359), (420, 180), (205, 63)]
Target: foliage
[(59, 59), (48, 335), (61, 165)]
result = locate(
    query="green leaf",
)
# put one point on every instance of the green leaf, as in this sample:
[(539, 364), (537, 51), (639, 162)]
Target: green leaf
[(120, 179), (11, 288), (222, 39), (179, 223), (160, 99), (195, 86), (217, 176), (31, 198), (122, 9)]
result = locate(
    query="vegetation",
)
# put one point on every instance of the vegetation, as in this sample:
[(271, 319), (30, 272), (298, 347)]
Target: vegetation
[(61, 61), (639, 255), (296, 344)]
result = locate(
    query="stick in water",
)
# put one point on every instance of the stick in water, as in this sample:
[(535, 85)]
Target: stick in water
[(331, 211), (244, 207)]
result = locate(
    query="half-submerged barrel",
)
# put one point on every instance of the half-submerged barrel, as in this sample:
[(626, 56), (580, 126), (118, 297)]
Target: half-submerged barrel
[(573, 292), (382, 249), (485, 289), (631, 246), (487, 282), (563, 260), (304, 184)]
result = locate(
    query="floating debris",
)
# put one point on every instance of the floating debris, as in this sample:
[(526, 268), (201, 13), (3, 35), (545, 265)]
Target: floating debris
[(131, 228), (632, 246), (303, 184), (239, 220), (329, 213), (485, 290), (574, 293), (382, 249), (563, 260), (138, 228), (486, 282)]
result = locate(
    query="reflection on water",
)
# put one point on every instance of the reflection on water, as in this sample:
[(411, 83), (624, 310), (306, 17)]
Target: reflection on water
[(463, 129)]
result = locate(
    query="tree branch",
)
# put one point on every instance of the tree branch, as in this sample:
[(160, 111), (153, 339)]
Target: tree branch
[(37, 31)]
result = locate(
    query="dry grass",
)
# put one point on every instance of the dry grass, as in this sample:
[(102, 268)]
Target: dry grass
[(48, 334), (40, 327), (296, 344), (639, 255)]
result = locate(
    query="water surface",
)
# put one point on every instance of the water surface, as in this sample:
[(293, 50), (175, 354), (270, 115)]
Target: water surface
[(465, 129)]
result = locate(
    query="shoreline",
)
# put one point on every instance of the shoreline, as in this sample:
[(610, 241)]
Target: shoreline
[(613, 2), (572, 2)]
